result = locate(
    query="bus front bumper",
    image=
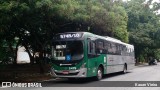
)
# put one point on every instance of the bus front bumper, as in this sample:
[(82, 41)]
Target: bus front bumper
[(81, 73)]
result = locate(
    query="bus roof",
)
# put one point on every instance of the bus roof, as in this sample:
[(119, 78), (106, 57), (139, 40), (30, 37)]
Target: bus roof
[(103, 37), (110, 39)]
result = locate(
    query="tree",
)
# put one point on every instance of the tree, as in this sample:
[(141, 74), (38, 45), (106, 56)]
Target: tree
[(143, 24), (35, 23)]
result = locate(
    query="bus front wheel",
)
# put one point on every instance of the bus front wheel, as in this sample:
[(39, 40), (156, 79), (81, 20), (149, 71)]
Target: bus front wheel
[(99, 74)]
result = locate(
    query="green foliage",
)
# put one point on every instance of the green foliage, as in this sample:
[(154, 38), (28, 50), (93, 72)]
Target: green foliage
[(44, 18), (141, 58), (34, 22), (143, 27), (157, 54), (121, 28)]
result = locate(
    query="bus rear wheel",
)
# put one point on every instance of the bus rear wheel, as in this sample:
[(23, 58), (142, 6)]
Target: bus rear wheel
[(99, 74), (124, 69)]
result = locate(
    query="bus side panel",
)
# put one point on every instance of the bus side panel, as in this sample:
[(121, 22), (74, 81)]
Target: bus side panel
[(91, 67), (119, 62), (102, 60), (94, 63), (115, 63), (130, 62), (110, 64)]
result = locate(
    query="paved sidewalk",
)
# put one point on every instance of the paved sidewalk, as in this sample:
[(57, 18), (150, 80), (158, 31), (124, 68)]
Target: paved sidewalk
[(141, 64), (145, 64)]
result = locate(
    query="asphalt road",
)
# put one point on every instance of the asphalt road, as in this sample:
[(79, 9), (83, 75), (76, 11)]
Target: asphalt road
[(140, 78)]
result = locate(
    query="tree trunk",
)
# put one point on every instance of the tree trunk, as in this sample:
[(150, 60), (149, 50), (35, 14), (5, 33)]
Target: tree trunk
[(41, 64), (29, 53), (15, 57)]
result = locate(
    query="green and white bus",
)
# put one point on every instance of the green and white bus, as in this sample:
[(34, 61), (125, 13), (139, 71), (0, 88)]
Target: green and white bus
[(83, 54)]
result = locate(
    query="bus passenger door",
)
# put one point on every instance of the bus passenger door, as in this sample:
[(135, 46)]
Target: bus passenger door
[(92, 64)]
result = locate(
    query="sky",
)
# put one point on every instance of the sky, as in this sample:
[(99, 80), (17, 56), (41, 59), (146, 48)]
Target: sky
[(151, 5), (158, 12), (156, 0)]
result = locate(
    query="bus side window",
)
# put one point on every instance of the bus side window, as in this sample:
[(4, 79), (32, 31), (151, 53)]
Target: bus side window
[(109, 48), (91, 47), (121, 49), (99, 47), (106, 44), (125, 50), (118, 52), (112, 48)]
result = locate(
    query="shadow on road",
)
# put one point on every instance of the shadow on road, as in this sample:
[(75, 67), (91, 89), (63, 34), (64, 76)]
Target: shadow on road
[(113, 75), (82, 82)]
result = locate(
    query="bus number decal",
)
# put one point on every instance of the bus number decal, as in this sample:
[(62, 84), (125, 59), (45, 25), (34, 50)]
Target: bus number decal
[(65, 36)]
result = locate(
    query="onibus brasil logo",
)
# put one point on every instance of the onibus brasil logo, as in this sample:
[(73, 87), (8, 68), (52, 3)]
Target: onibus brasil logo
[(13, 84)]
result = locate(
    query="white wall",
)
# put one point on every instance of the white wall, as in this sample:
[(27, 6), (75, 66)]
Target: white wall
[(22, 56)]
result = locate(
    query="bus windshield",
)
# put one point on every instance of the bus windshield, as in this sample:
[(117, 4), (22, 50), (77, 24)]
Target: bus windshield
[(67, 50)]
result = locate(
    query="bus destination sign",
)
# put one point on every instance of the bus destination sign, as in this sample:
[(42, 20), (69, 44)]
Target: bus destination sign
[(70, 35)]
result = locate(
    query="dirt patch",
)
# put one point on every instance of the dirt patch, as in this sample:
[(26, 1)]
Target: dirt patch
[(24, 73), (27, 78)]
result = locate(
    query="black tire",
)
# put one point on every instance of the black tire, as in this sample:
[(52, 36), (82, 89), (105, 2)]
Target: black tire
[(124, 69), (99, 74)]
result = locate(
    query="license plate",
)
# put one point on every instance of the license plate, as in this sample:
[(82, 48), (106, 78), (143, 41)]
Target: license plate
[(65, 72)]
